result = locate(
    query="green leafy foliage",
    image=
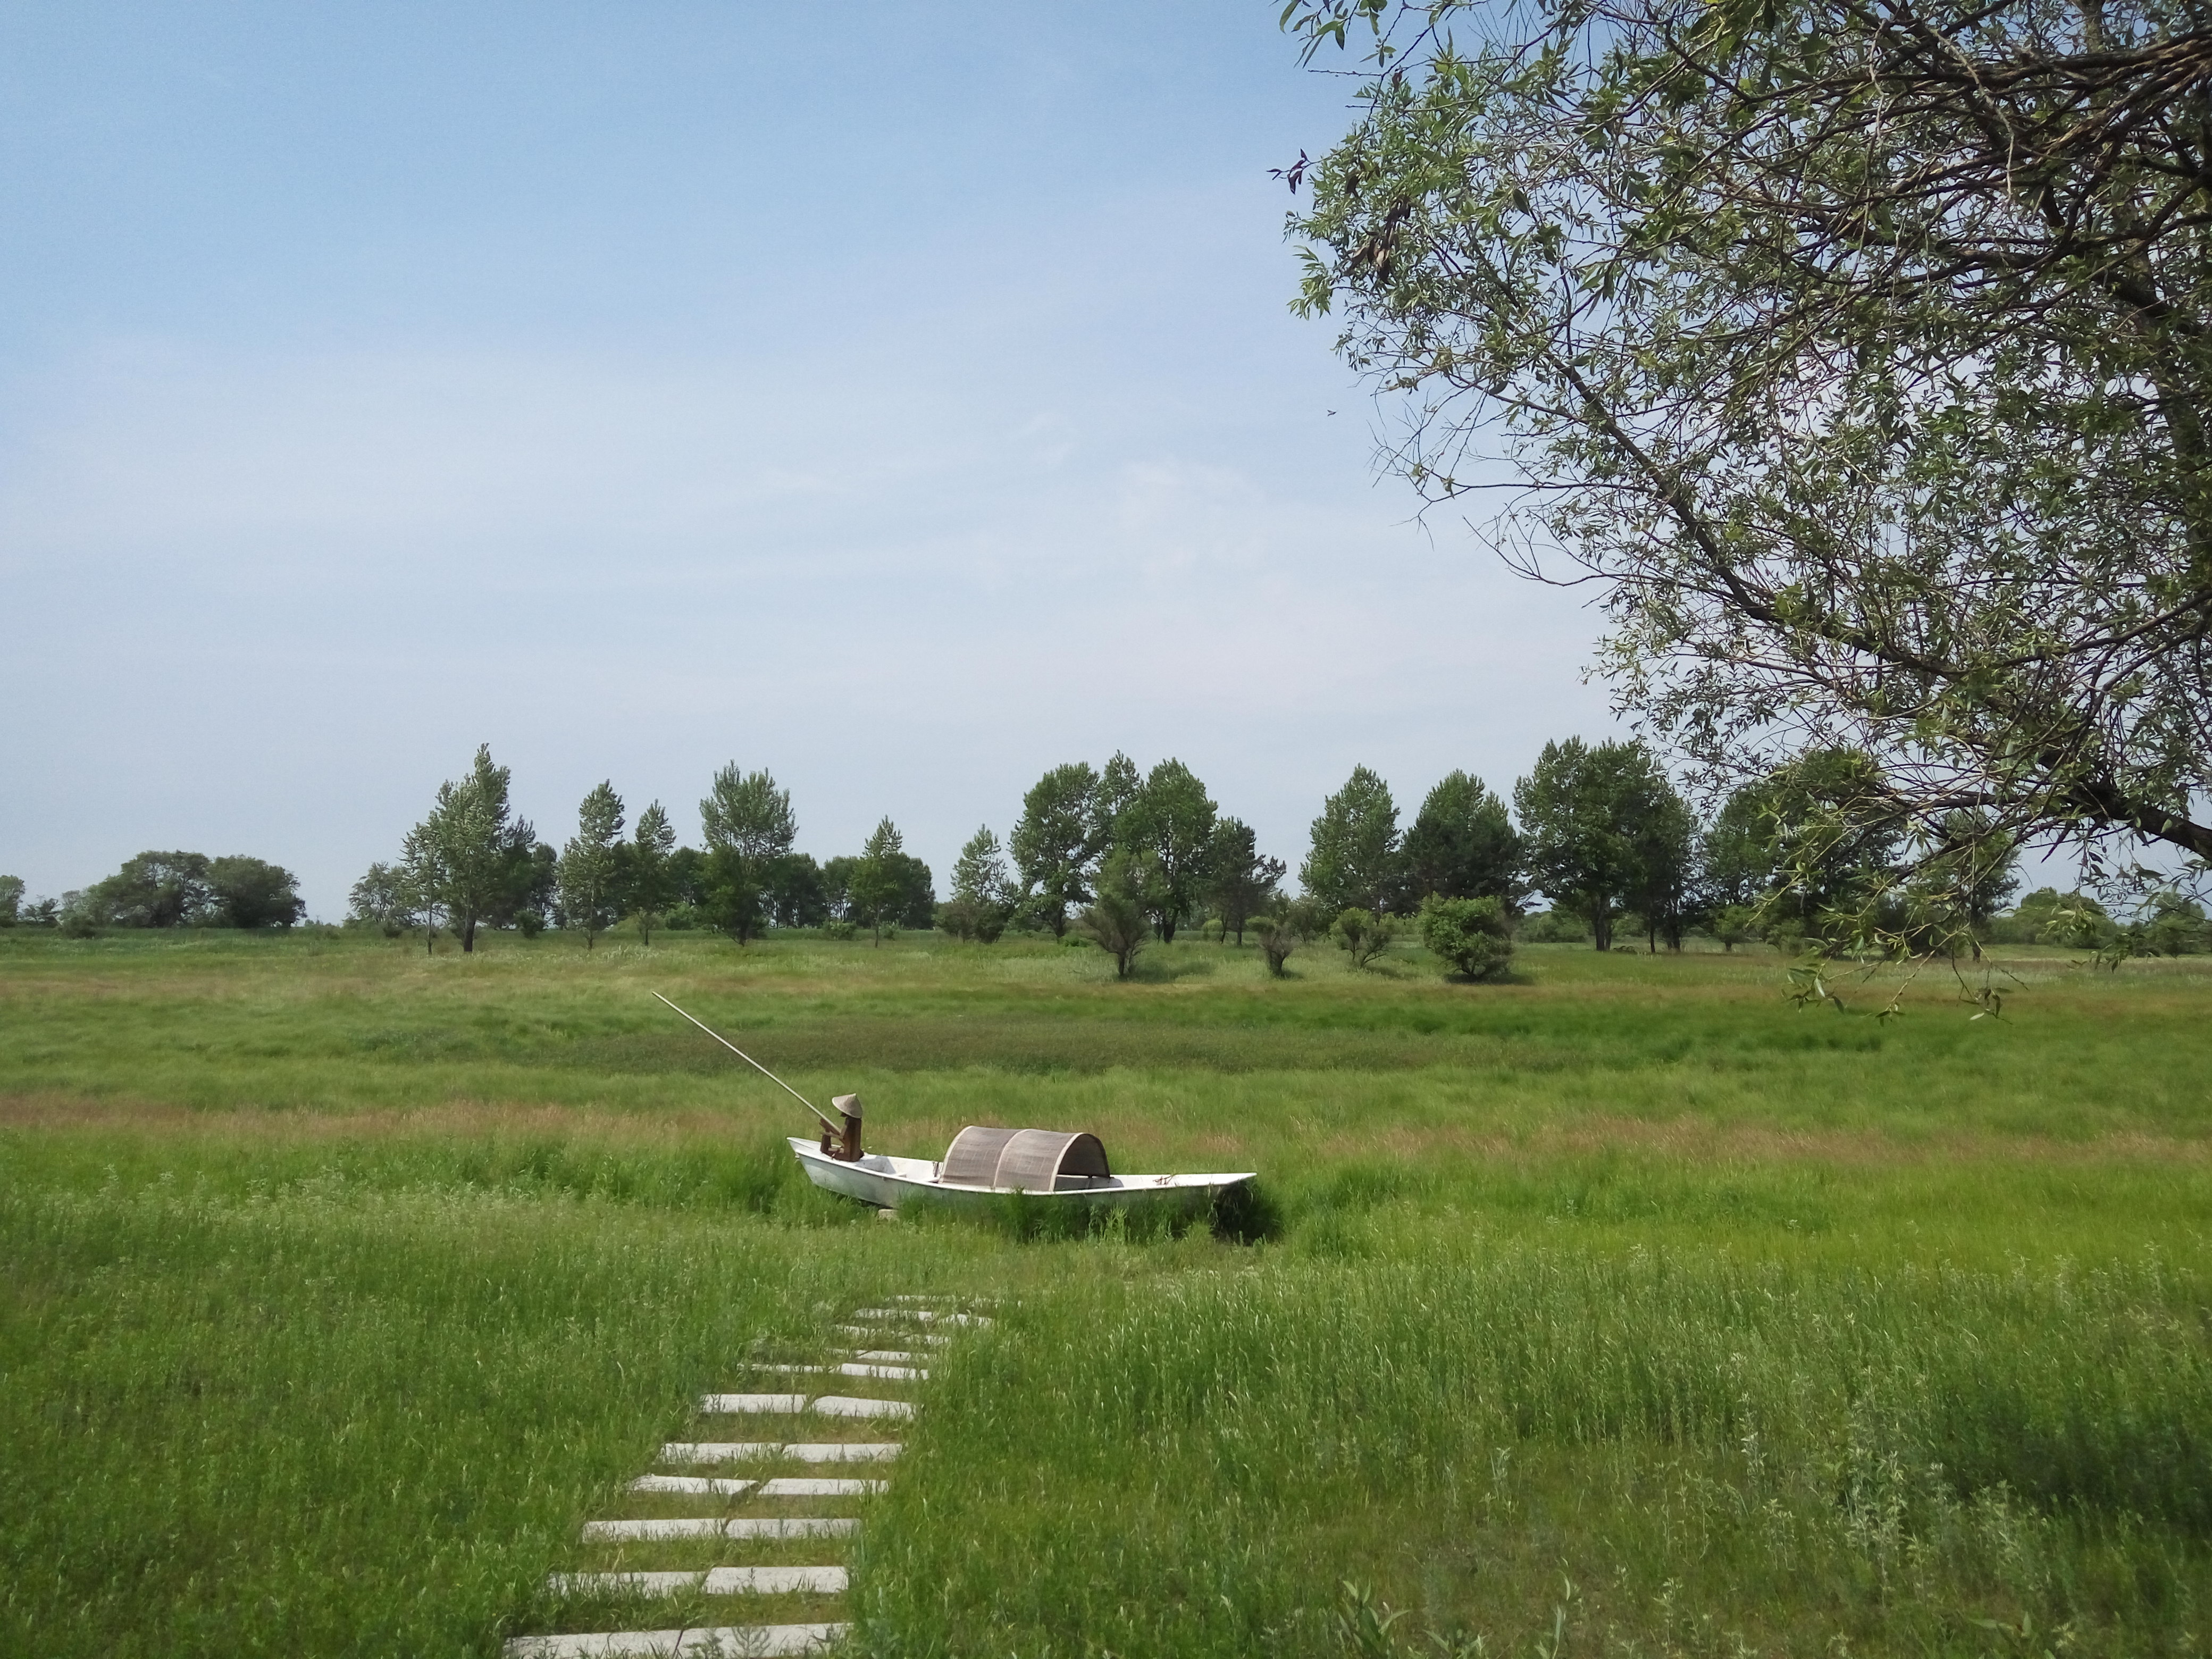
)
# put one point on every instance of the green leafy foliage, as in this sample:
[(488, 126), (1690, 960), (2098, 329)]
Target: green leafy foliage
[(250, 892), (749, 826), (1734, 925), (1473, 935), (1353, 861), (471, 860), (2047, 916), (590, 865), (1279, 935), (190, 890), (1243, 882), (1114, 920), (1054, 841), (1603, 830), (1857, 358), (1461, 845), (648, 879), (1362, 935), (1168, 822), (983, 893), (880, 890)]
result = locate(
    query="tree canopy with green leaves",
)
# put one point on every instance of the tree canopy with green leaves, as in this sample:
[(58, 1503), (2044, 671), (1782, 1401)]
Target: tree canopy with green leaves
[(1461, 844), (1353, 862), (591, 862), (190, 890), (1167, 825), (470, 860), (1054, 841), (648, 881), (1600, 823), (748, 825), (1242, 882), (1862, 354), (877, 891), (983, 893)]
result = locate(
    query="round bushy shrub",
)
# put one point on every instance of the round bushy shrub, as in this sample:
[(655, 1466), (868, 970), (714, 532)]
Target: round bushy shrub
[(1472, 934)]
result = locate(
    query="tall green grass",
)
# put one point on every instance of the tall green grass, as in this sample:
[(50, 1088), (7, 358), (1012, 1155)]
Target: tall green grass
[(346, 1422), (1720, 1455), (343, 1283)]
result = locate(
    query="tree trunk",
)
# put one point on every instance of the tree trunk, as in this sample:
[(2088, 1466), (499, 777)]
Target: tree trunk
[(468, 936), (1601, 927)]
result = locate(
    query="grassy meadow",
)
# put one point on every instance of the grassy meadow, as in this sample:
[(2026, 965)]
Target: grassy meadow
[(1620, 1310)]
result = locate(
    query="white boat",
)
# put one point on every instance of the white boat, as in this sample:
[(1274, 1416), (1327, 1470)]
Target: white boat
[(982, 1165), (985, 1165)]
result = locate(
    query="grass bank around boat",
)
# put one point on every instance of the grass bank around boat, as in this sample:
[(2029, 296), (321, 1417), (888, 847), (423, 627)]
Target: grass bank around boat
[(345, 1281)]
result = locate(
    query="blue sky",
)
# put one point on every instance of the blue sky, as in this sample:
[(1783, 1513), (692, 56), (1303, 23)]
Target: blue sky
[(904, 399)]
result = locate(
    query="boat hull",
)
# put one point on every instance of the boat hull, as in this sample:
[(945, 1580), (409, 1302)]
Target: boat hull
[(889, 1182)]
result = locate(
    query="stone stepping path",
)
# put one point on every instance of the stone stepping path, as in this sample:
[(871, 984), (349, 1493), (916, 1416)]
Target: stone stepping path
[(738, 1451), (898, 1336)]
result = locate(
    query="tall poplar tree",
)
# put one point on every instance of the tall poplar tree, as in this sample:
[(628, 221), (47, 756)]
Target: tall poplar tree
[(651, 882), (1353, 861), (470, 858), (589, 861), (748, 825)]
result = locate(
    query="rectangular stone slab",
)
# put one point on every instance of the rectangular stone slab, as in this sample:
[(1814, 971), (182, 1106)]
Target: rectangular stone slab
[(716, 1527), (839, 1405), (919, 1314), (738, 1451), (754, 1641), (775, 1581), (782, 1404), (716, 1581), (845, 1451), (704, 1484), (888, 1373), (876, 1334), (718, 1452), (815, 1485)]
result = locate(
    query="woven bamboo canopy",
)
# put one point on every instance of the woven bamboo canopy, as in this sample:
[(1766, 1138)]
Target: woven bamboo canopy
[(1027, 1160)]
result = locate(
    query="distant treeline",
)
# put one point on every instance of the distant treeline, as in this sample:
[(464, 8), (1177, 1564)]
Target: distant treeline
[(1802, 857), (165, 889)]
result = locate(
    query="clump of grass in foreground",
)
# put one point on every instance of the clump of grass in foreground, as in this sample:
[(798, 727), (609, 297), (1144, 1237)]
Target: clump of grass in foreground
[(336, 1421), (1801, 1457)]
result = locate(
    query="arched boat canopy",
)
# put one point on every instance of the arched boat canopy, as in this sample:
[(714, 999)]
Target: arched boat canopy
[(1027, 1160)]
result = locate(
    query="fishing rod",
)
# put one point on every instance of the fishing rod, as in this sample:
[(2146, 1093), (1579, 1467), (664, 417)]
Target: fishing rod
[(762, 1069)]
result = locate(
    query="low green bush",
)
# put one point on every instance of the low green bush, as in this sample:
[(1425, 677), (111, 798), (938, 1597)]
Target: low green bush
[(1473, 935)]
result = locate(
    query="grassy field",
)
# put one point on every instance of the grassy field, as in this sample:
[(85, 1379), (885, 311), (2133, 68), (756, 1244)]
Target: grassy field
[(1619, 1309)]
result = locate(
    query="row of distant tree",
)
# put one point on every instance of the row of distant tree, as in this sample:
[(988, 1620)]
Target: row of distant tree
[(1121, 855), (471, 863)]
